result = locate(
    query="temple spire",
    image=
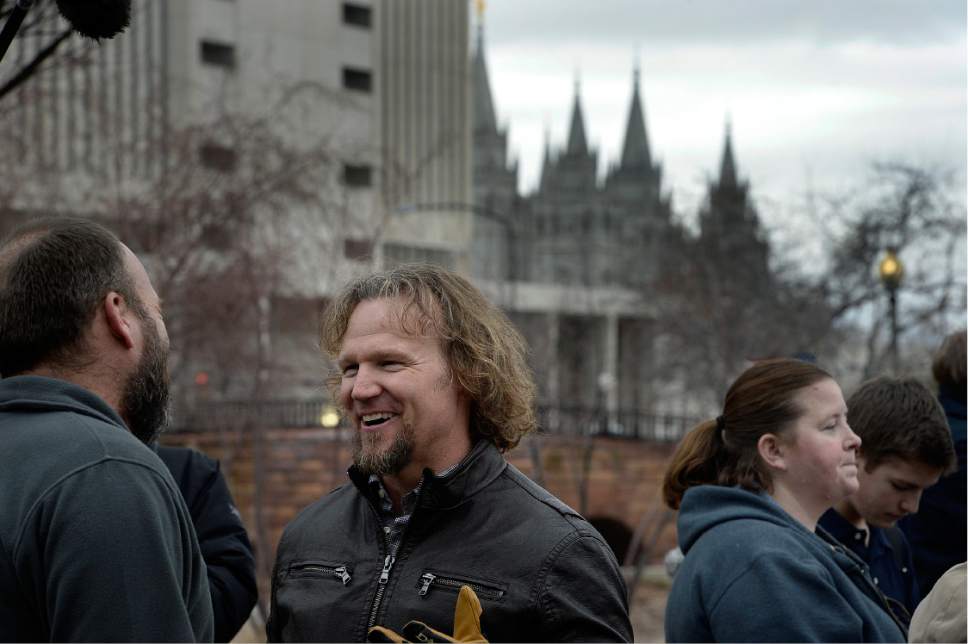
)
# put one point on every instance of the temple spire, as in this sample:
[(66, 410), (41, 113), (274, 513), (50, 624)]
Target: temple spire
[(635, 151), (576, 131), (484, 118), (727, 169)]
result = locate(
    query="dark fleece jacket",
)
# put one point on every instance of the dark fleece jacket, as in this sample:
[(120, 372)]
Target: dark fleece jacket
[(96, 543)]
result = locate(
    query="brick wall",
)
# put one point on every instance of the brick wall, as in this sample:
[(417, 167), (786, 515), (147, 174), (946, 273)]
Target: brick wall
[(274, 473)]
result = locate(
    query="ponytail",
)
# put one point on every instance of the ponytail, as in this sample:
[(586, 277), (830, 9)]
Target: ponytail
[(696, 461), (724, 451)]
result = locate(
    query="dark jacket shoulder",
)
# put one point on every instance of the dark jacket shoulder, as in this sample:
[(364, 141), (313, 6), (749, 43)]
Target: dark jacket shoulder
[(194, 472), (92, 520)]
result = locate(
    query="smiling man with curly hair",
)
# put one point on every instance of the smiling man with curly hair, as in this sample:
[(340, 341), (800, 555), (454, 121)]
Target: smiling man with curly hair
[(433, 381)]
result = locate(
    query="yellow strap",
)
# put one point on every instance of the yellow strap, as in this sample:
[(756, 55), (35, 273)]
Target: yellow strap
[(467, 617), (391, 636)]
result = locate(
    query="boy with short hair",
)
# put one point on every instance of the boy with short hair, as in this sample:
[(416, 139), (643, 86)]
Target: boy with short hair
[(937, 531), (906, 447)]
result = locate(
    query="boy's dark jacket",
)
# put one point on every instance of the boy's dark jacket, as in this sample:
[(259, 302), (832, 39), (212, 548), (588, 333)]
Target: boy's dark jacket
[(937, 532), (753, 573), (221, 536), (542, 572)]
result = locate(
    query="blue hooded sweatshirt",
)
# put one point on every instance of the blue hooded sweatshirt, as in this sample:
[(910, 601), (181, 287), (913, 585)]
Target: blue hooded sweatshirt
[(753, 573)]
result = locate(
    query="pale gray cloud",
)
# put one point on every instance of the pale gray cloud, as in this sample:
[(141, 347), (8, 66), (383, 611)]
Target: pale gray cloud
[(734, 22), (816, 89)]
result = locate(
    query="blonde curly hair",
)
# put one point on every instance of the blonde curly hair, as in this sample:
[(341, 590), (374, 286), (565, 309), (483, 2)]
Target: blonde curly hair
[(485, 353)]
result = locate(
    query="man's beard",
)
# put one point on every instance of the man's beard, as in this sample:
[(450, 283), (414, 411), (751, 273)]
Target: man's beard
[(390, 460), (144, 401)]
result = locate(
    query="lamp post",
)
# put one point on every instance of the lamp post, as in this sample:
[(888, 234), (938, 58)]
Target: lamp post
[(606, 382), (892, 271)]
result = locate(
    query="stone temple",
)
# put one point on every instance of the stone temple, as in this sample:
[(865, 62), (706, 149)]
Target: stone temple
[(580, 262)]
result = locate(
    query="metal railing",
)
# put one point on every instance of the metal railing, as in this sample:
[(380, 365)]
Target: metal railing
[(562, 420), (626, 423), (238, 414)]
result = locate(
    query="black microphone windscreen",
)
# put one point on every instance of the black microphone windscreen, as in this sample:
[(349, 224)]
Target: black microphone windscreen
[(96, 18)]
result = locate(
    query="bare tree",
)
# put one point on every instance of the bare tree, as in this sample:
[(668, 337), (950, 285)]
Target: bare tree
[(40, 43), (718, 310), (916, 211), (716, 314), (216, 220)]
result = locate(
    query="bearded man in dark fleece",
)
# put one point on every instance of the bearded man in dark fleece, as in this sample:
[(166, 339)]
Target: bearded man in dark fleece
[(96, 543)]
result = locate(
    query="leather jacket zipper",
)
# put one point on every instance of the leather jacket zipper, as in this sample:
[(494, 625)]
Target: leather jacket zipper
[(343, 574), (388, 562), (384, 578), (340, 572), (429, 579)]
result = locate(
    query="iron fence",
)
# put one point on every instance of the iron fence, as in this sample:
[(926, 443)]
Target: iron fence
[(634, 424), (560, 420)]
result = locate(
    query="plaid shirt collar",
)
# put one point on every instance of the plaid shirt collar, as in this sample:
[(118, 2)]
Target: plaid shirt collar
[(409, 501), (394, 524)]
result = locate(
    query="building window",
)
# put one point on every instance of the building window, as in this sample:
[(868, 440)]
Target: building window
[(359, 80), (357, 176), (219, 54), (356, 14), (217, 157), (358, 249)]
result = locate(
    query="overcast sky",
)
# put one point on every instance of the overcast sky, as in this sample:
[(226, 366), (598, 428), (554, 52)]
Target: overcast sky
[(815, 90)]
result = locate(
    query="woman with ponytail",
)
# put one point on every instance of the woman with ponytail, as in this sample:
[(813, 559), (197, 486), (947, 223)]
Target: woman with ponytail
[(750, 486)]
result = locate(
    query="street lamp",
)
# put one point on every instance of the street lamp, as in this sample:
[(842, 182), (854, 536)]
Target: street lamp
[(329, 417), (892, 271)]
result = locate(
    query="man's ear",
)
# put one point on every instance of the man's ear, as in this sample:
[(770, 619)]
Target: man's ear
[(772, 451), (117, 314)]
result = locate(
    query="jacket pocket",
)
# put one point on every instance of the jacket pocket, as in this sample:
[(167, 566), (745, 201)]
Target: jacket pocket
[(431, 581), (337, 571)]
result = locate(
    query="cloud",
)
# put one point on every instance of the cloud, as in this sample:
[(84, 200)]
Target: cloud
[(656, 23), (823, 85)]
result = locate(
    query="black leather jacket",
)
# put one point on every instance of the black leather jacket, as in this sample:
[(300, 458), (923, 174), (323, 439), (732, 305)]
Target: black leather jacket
[(541, 571)]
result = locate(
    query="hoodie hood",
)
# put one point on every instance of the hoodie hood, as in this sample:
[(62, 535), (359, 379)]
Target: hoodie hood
[(706, 506)]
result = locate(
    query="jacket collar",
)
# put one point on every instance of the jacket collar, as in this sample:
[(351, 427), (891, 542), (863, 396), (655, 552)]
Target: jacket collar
[(477, 470), (858, 570), (952, 400), (852, 537), (50, 394)]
